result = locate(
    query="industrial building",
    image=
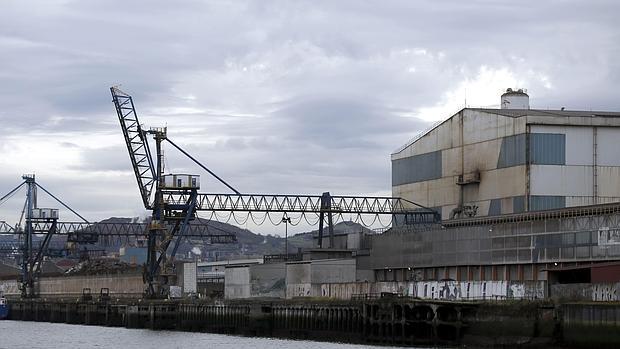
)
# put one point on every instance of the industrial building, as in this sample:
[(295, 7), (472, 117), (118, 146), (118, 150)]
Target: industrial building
[(521, 192), (528, 199), (483, 162)]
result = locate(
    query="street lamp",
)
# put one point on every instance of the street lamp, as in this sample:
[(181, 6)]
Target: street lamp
[(286, 220)]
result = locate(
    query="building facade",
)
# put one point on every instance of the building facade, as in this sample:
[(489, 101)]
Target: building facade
[(483, 162), (521, 192)]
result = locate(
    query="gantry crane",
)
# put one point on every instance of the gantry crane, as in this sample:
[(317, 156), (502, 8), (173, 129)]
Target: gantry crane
[(38, 220), (174, 198), (170, 220), (44, 223)]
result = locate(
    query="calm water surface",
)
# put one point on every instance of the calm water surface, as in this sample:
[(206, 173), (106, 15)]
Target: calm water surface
[(24, 334)]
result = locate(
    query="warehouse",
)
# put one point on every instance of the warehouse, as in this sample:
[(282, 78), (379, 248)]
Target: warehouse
[(483, 162), (521, 191)]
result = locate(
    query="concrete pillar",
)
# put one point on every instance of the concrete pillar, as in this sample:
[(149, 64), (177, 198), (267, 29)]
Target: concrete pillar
[(152, 316)]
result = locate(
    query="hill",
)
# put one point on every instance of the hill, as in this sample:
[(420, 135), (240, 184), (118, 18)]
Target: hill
[(249, 244)]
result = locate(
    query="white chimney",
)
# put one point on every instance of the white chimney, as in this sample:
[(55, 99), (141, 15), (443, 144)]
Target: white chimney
[(515, 99)]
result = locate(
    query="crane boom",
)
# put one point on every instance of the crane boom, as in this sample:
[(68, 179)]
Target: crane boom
[(305, 204), (137, 144), (78, 231)]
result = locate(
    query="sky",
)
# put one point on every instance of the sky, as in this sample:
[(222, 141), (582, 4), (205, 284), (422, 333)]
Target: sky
[(289, 97)]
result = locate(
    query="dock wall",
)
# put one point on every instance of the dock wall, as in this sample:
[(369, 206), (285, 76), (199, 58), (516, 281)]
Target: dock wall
[(127, 286), (591, 325), (387, 321), (68, 286), (592, 292)]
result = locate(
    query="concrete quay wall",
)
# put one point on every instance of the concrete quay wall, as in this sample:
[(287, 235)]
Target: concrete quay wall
[(131, 286), (386, 321), (122, 285), (594, 292), (591, 324)]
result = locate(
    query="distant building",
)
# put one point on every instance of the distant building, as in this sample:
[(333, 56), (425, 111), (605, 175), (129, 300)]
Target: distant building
[(210, 275)]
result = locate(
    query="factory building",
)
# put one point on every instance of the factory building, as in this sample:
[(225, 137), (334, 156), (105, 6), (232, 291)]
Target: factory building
[(484, 162), (522, 192)]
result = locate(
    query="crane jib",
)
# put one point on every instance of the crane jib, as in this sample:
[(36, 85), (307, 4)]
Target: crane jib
[(137, 144)]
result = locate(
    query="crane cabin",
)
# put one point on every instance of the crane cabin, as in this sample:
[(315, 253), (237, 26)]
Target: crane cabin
[(44, 213), (181, 182)]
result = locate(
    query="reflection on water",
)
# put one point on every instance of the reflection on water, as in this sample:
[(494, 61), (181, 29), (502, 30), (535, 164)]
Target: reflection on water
[(24, 334)]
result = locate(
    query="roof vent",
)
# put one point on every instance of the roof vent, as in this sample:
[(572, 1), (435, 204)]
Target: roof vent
[(515, 99)]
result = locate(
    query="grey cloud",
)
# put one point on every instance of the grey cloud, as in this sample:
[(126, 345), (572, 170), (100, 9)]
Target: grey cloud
[(107, 159), (332, 122), (279, 96), (309, 146)]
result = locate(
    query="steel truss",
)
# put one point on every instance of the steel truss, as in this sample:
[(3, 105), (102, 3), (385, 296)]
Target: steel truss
[(5, 227), (82, 232), (325, 206), (302, 204), (137, 144)]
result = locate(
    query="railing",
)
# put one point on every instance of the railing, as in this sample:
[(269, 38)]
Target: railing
[(277, 258), (375, 296), (568, 212)]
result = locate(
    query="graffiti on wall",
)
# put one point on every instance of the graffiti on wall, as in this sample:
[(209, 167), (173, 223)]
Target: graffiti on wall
[(472, 290), (604, 292)]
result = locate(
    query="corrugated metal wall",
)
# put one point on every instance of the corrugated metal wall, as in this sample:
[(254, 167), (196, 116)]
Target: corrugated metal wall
[(495, 207), (545, 202), (518, 204), (416, 168), (515, 204), (561, 171), (553, 240), (547, 149), (512, 152)]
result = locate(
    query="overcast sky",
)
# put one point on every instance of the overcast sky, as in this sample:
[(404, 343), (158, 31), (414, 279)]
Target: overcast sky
[(275, 96)]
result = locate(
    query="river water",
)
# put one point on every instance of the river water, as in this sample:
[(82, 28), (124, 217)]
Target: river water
[(35, 335)]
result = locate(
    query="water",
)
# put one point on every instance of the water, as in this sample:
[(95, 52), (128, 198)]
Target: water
[(35, 335)]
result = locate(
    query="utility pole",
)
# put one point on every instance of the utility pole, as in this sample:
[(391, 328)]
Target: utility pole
[(286, 220)]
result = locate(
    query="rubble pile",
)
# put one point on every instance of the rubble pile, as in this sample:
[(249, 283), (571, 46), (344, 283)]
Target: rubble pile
[(100, 266)]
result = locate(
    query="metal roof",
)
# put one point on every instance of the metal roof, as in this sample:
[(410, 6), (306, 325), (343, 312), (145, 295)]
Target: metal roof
[(515, 113)]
